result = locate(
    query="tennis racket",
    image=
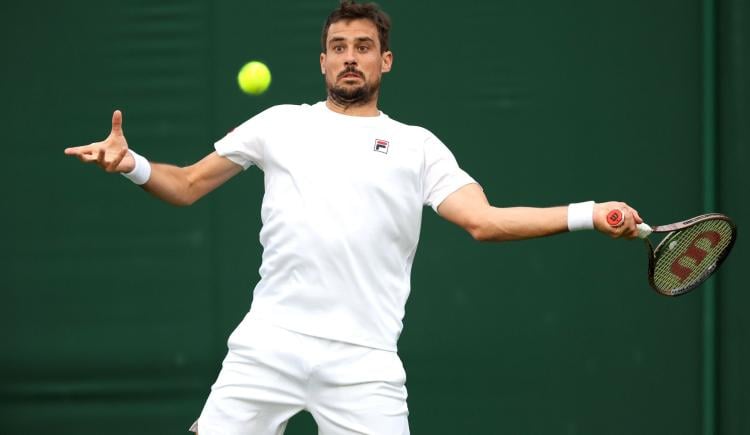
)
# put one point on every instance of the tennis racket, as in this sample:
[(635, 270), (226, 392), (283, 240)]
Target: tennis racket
[(690, 252)]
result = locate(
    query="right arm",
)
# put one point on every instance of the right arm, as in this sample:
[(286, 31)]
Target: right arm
[(469, 208), (172, 184)]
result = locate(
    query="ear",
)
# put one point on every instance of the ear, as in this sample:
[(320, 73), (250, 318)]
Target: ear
[(387, 63), (323, 63)]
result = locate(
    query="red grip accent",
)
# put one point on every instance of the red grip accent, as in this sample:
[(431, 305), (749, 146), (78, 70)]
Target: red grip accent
[(615, 218)]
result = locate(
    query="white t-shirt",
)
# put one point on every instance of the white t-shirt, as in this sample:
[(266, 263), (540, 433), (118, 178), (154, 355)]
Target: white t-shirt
[(341, 216)]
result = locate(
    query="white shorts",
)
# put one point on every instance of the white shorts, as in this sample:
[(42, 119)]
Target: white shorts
[(270, 374)]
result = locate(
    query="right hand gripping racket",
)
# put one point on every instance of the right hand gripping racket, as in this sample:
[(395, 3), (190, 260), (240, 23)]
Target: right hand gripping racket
[(690, 252)]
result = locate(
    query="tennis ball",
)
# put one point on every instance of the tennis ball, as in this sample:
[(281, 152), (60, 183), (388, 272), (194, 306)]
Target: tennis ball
[(254, 78)]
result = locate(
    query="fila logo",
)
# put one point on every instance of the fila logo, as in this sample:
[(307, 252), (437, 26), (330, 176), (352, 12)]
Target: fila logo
[(381, 146)]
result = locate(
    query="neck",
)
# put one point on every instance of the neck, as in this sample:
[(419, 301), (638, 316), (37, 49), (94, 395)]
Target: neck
[(366, 109)]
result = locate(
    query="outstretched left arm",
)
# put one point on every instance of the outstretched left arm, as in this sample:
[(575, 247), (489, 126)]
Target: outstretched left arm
[(468, 208)]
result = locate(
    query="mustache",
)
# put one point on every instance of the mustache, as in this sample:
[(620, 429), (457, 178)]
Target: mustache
[(350, 70)]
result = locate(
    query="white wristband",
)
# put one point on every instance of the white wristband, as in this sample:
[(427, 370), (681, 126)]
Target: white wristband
[(142, 170), (581, 216)]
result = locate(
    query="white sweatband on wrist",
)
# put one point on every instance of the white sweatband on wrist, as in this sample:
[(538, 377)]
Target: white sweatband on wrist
[(581, 216), (141, 171)]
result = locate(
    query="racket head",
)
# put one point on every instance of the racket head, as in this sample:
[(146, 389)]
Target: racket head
[(690, 253)]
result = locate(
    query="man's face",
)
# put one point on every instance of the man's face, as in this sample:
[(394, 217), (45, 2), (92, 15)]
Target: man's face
[(353, 63)]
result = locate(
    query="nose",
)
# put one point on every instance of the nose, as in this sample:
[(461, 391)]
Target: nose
[(350, 58)]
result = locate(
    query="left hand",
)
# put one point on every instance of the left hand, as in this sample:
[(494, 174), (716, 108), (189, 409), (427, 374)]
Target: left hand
[(627, 228), (111, 154)]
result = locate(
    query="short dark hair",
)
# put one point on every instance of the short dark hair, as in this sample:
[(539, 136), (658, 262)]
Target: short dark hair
[(348, 11)]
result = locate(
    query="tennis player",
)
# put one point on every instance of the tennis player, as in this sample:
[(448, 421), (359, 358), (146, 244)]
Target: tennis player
[(345, 186)]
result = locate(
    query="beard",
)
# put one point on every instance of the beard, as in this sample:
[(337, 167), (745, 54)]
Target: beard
[(352, 96)]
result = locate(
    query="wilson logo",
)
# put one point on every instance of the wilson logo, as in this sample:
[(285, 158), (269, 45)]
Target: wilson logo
[(696, 253)]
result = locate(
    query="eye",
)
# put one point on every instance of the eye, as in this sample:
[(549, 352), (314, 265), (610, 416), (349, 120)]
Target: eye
[(338, 48), (363, 48)]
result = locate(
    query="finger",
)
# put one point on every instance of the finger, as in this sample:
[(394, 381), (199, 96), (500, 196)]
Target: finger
[(629, 229), (632, 231), (73, 151), (116, 162), (117, 123), (100, 157), (86, 157)]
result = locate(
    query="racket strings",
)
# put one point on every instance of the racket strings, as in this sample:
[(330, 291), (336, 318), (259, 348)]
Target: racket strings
[(686, 257)]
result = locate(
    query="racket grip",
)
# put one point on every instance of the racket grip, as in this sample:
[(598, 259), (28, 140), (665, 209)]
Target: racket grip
[(644, 230)]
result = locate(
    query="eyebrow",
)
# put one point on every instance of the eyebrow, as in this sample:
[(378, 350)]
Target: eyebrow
[(357, 39)]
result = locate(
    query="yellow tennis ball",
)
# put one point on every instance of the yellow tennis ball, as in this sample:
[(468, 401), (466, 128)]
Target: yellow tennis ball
[(254, 78)]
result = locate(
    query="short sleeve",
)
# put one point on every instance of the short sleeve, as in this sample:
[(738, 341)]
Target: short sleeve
[(244, 145), (442, 175)]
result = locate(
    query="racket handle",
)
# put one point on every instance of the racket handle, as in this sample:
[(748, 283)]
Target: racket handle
[(616, 217), (644, 230)]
